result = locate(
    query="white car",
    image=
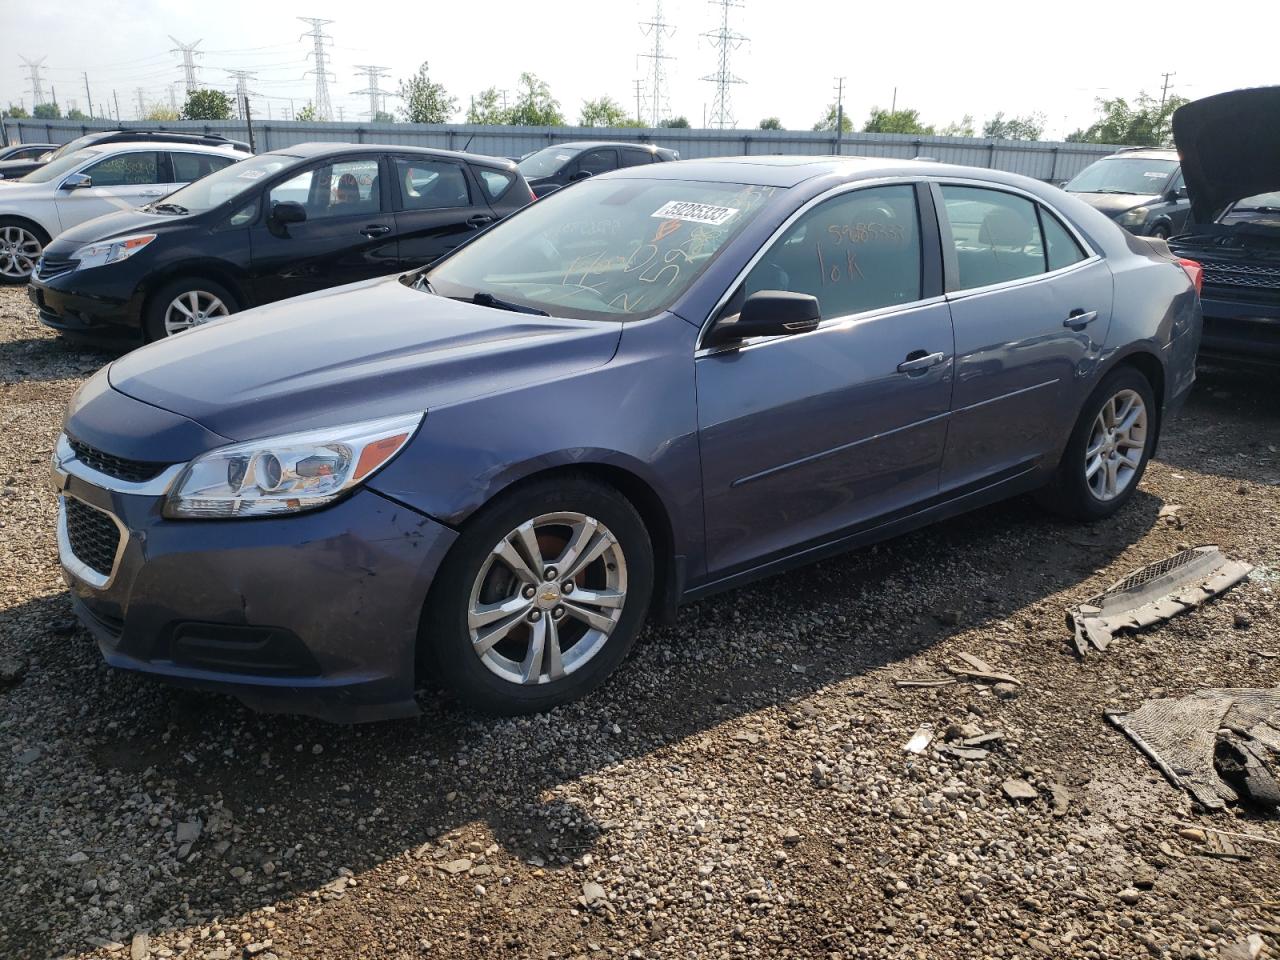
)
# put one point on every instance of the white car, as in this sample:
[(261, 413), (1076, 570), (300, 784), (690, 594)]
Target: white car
[(89, 183)]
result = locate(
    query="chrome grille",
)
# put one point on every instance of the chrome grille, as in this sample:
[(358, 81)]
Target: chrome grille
[(132, 471), (93, 536), (47, 269), (1225, 273)]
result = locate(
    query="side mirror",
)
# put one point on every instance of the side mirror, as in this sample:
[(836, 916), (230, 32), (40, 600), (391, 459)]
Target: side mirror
[(768, 313), (289, 211), (580, 175), (77, 181)]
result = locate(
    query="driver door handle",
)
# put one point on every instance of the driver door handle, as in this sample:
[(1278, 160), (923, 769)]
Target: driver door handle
[(375, 230), (1079, 319), (918, 361), (479, 220)]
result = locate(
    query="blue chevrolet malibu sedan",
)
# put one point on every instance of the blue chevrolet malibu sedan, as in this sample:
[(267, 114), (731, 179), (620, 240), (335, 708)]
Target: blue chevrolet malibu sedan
[(658, 383)]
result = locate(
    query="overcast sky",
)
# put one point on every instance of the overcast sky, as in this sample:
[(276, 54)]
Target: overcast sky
[(945, 59)]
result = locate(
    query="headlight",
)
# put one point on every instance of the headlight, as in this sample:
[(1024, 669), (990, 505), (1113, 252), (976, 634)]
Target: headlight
[(287, 474), (1131, 218), (111, 251)]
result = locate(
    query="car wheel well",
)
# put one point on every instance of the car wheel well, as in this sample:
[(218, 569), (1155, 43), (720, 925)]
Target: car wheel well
[(163, 280), (28, 224), (1150, 367)]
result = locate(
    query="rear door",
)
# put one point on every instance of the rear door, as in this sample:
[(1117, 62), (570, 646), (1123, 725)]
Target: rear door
[(349, 233), (635, 157), (438, 206), (121, 181), (1031, 306)]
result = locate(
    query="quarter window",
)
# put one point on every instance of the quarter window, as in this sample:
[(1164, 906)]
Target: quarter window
[(495, 182), (343, 189), (996, 236), (432, 184), (1060, 248), (856, 252), (126, 169)]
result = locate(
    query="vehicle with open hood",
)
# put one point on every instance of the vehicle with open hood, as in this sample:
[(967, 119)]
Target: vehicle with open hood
[(1230, 147)]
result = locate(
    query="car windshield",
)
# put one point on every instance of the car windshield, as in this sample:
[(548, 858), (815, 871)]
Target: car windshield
[(231, 181), (545, 162), (1123, 175), (603, 249), (62, 165), (1260, 201), (71, 146)]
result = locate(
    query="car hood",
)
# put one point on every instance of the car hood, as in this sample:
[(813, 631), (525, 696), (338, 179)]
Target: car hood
[(359, 352), (18, 168), (1230, 148), (13, 188), (113, 225), (1114, 204)]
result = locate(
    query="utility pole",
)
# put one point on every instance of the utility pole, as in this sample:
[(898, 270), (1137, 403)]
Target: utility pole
[(839, 114), (1164, 95), (116, 96), (893, 104), (37, 82), (372, 90), (189, 52), (248, 124), (342, 114), (173, 96), (142, 103), (88, 95), (639, 87), (659, 30), (725, 41), (324, 109)]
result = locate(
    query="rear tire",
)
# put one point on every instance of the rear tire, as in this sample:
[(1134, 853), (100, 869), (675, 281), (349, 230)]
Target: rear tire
[(21, 244), (511, 632), (185, 304), (1109, 448)]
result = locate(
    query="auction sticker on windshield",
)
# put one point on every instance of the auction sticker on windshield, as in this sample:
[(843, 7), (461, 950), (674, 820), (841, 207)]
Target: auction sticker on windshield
[(694, 212)]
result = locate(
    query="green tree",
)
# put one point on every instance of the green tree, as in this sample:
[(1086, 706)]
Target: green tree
[(895, 121), (75, 113), (1142, 124), (486, 108), (534, 106), (770, 123), (425, 101), (159, 112), (828, 121), (675, 123), (46, 111), (17, 112), (958, 128), (602, 112), (207, 105), (307, 113), (1030, 127), (383, 117)]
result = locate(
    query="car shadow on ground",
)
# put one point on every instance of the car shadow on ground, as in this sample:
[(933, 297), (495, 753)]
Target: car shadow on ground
[(355, 797), (1249, 398)]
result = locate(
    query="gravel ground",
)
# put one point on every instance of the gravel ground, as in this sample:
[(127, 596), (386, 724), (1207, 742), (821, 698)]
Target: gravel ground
[(739, 790)]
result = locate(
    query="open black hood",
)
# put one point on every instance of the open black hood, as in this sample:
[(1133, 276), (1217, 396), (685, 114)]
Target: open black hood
[(1230, 148)]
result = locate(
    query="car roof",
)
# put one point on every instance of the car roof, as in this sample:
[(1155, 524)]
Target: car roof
[(1145, 153), (588, 144), (318, 148), (137, 146), (788, 170)]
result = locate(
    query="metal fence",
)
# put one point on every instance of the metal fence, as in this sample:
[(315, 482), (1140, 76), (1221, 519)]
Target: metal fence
[(1042, 160)]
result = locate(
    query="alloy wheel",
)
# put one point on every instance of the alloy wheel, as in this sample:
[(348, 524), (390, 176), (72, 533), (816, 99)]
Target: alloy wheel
[(1117, 442), (19, 251), (191, 309), (547, 598)]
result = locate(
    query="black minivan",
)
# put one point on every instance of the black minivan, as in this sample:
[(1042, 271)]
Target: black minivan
[(277, 225)]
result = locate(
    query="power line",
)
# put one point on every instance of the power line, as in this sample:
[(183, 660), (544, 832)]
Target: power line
[(37, 82), (377, 96), (725, 41), (188, 51), (659, 30), (324, 110)]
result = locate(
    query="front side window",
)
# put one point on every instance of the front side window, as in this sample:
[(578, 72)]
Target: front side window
[(345, 188), (605, 250), (126, 169), (598, 161), (858, 251), (427, 184), (995, 235)]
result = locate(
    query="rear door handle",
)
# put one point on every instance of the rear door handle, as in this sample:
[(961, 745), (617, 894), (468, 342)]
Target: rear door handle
[(479, 220), (918, 361), (375, 230), (1079, 319)]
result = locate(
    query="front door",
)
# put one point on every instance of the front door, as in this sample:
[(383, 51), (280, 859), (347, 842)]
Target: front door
[(349, 233), (809, 436), (437, 208), (119, 182), (1031, 309)]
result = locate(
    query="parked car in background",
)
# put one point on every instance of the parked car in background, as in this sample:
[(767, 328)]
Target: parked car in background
[(664, 382), (17, 155), (277, 225), (561, 164), (1230, 145), (17, 169), (1139, 188), (88, 183)]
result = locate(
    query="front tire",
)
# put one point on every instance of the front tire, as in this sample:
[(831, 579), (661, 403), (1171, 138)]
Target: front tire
[(541, 597), (184, 304), (21, 244), (1109, 448)]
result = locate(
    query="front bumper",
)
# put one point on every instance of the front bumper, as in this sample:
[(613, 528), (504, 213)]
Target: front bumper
[(109, 316), (315, 613)]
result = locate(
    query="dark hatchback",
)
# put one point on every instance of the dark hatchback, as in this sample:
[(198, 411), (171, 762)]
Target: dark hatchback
[(277, 225), (561, 164)]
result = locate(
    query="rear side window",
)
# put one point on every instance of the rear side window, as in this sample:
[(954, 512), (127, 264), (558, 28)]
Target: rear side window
[(634, 158), (192, 166), (427, 184), (1060, 248), (126, 169), (996, 236), (494, 182)]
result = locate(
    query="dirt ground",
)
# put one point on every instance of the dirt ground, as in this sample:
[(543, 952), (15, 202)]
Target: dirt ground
[(739, 789)]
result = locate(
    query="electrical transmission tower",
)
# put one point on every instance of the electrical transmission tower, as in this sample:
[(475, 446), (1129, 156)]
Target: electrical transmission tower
[(725, 41), (37, 82), (242, 90), (659, 30), (324, 109), (377, 96), (189, 54)]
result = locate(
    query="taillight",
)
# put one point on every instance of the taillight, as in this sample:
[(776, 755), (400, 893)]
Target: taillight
[(1195, 272), (532, 196)]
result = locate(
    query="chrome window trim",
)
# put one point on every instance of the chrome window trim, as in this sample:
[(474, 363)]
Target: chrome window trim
[(66, 463), (73, 564)]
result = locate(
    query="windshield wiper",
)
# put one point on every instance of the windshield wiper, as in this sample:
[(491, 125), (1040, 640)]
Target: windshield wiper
[(169, 208), (1113, 190), (489, 300)]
